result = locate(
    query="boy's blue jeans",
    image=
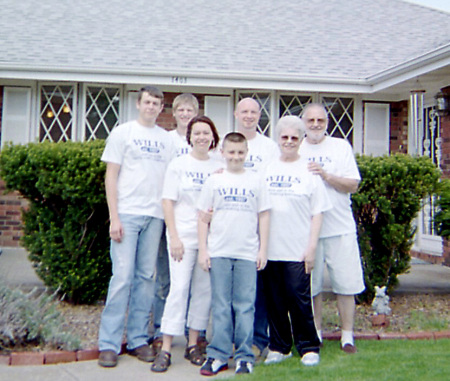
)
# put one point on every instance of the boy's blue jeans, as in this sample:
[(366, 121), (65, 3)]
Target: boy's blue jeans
[(233, 286), (132, 283)]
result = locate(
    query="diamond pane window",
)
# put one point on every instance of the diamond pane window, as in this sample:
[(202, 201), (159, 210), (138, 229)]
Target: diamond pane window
[(293, 104), (264, 100), (56, 113), (102, 111), (340, 116)]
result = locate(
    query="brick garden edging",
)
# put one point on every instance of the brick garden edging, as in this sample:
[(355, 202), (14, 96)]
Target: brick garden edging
[(55, 357)]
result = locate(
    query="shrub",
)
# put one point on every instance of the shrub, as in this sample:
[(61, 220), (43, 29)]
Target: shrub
[(32, 319), (442, 217), (388, 200), (66, 225)]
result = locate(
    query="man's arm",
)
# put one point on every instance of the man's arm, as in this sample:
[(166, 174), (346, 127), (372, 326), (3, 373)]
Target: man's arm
[(310, 252), (176, 246), (341, 184), (111, 178), (264, 221)]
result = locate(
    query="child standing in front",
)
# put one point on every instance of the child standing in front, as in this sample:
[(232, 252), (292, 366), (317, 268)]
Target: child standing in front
[(233, 250)]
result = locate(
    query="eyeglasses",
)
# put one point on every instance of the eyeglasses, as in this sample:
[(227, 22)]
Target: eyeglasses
[(285, 138)]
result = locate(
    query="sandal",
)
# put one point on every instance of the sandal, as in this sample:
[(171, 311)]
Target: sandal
[(162, 362), (195, 355)]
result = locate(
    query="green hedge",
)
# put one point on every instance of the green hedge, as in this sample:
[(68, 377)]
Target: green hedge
[(66, 227), (389, 198), (442, 217)]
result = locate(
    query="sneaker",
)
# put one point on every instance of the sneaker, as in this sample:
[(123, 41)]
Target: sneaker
[(243, 367), (212, 366), (310, 359), (274, 357), (107, 359)]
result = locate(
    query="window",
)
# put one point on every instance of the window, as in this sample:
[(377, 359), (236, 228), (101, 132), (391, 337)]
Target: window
[(293, 104), (340, 116), (102, 111), (264, 100), (56, 122)]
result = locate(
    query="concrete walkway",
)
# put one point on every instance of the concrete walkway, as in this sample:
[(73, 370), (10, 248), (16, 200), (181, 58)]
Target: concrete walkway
[(16, 270)]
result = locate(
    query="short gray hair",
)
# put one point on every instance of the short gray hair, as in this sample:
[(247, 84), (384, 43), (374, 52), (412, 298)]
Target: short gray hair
[(290, 121)]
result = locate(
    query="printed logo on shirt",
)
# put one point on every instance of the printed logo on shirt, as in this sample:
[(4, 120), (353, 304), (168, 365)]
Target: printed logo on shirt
[(149, 146), (236, 194), (182, 151), (197, 177), (281, 181), (322, 160), (251, 161)]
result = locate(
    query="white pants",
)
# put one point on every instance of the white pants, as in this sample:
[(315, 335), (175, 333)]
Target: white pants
[(187, 279)]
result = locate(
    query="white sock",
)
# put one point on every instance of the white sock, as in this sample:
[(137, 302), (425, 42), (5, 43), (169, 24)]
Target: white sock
[(347, 337), (319, 334)]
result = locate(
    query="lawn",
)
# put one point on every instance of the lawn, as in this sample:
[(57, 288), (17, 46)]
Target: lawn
[(426, 360)]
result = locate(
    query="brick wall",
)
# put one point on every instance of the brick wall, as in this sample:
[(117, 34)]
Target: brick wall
[(398, 140)]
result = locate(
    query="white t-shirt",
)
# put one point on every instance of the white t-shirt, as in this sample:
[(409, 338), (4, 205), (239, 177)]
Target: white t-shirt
[(236, 200), (336, 157), (296, 195), (261, 151), (181, 144), (184, 180), (143, 154)]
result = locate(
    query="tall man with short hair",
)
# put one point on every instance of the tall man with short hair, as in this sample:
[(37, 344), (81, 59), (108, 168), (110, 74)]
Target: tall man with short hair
[(332, 159), (136, 156), (261, 150)]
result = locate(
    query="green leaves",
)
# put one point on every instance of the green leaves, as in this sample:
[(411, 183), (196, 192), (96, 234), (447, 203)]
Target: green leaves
[(66, 225), (388, 200)]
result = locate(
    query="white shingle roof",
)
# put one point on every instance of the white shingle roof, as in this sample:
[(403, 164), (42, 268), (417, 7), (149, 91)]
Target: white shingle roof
[(331, 38)]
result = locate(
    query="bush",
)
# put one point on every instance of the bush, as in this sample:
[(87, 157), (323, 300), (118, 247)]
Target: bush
[(66, 225), (388, 200), (31, 319), (442, 217)]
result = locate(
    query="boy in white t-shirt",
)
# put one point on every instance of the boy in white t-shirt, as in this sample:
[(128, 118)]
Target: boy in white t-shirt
[(233, 250)]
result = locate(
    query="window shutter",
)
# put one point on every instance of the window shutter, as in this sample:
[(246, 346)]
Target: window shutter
[(220, 111), (16, 119), (376, 129)]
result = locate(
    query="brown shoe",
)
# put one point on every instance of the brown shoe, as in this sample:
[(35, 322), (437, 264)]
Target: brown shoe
[(202, 344), (144, 353), (107, 359), (156, 345), (349, 348)]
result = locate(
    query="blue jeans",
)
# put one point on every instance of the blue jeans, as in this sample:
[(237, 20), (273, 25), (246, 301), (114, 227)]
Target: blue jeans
[(162, 285), (132, 283), (233, 286)]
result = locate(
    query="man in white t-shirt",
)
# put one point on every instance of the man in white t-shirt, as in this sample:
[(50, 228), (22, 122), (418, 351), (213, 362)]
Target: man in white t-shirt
[(184, 107), (261, 150), (332, 159), (136, 155)]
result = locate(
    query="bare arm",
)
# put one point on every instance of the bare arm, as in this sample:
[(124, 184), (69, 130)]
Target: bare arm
[(203, 255), (341, 184), (176, 246), (310, 252), (111, 178), (264, 220)]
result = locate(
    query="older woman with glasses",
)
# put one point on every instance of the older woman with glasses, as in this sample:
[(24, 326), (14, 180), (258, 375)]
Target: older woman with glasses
[(298, 200)]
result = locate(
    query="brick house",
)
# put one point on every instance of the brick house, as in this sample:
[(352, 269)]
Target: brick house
[(71, 71)]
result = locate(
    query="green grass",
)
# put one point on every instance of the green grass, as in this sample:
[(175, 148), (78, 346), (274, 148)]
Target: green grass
[(376, 360)]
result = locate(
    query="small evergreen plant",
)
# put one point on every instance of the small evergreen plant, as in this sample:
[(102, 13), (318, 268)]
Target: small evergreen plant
[(389, 198)]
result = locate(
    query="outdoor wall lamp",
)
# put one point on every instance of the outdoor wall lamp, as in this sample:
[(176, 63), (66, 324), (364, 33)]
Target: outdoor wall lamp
[(442, 103)]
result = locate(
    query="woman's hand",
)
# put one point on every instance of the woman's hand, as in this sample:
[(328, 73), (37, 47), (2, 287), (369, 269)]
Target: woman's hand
[(176, 248), (204, 260)]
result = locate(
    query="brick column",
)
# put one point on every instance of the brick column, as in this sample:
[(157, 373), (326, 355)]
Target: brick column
[(398, 140)]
